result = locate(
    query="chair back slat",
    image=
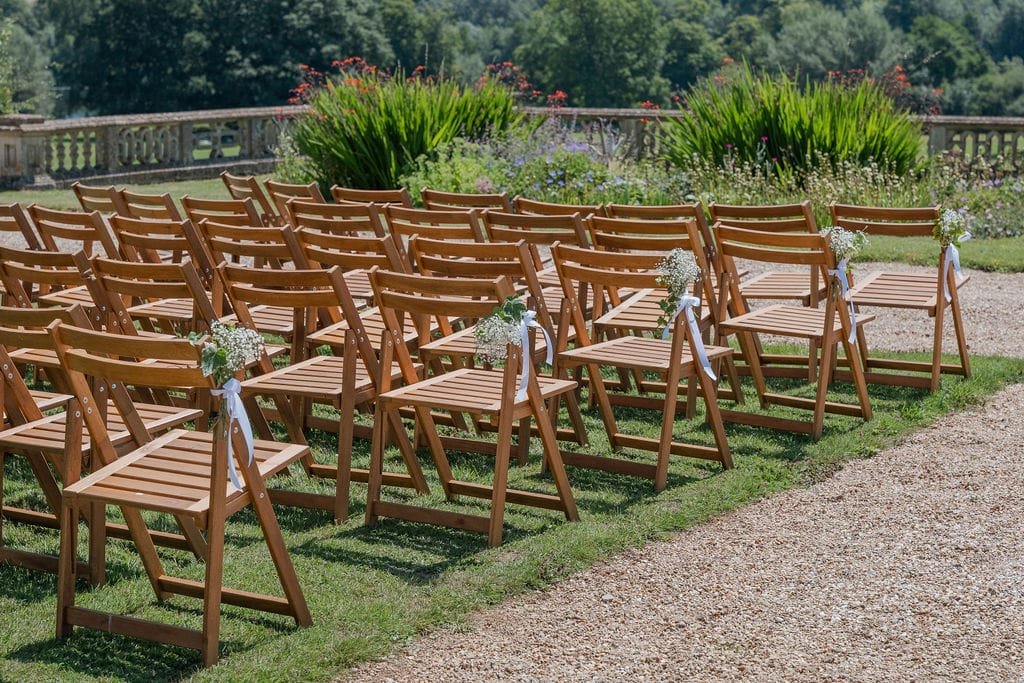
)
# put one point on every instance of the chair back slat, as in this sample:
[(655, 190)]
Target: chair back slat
[(767, 247), (339, 219), (80, 229), (26, 272), (240, 212), (349, 253), (768, 217), (350, 195), (459, 224), (280, 193), (154, 206), (532, 206), (535, 229), (895, 222), (105, 199), (439, 297), (444, 201), (277, 244)]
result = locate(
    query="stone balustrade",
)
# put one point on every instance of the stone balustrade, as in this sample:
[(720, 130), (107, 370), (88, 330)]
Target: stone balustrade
[(137, 148)]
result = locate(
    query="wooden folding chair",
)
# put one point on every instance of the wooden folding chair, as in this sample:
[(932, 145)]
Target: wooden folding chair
[(908, 291), (456, 224), (339, 219), (447, 201), (477, 391), (106, 199), (247, 187), (638, 312), (516, 261), (281, 193), (54, 445), (72, 230), (672, 212), (821, 328), (13, 219), (382, 198), (354, 254), (342, 381), (523, 205), (182, 473), (150, 240), (676, 359)]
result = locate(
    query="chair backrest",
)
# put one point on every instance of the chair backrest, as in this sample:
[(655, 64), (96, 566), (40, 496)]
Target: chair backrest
[(143, 239), (339, 219), (768, 217), (657, 236), (652, 212), (106, 199), (457, 224), (72, 230), (514, 260), (349, 252), (895, 222), (351, 195), (423, 298), (25, 273), (603, 274), (535, 229), (115, 285), (230, 211), (247, 187), (771, 247), (280, 193), (13, 219), (116, 362), (524, 205), (25, 329), (443, 201), (315, 296), (275, 245), (155, 206)]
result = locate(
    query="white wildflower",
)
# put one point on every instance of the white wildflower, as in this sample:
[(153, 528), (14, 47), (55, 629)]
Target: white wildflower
[(678, 271), (845, 244), (952, 227), (493, 335), (228, 350)]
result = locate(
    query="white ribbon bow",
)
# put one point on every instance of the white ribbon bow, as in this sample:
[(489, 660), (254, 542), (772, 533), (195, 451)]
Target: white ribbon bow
[(844, 286), (530, 320), (235, 409), (687, 303), (952, 257)]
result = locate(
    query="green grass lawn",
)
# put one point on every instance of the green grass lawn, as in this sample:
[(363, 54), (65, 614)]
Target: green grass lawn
[(370, 590)]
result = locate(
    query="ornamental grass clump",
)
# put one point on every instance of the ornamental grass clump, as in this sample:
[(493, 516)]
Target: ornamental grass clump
[(783, 127), (365, 128)]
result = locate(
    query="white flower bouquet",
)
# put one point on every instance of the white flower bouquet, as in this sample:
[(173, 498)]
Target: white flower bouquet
[(678, 271), (503, 327), (951, 228), (845, 244)]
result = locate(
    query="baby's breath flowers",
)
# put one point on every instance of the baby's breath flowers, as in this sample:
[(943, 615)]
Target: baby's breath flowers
[(678, 271), (495, 332), (951, 227), (845, 244), (227, 350)]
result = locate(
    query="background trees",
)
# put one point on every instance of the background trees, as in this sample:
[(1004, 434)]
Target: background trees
[(117, 56)]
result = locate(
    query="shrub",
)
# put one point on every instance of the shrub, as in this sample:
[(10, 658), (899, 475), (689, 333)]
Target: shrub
[(784, 129), (366, 128), (549, 163)]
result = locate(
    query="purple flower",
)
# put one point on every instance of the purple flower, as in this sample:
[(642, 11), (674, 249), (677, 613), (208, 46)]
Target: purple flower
[(764, 138)]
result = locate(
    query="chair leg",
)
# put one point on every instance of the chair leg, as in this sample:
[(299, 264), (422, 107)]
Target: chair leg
[(937, 345), (500, 484), (412, 464), (343, 482), (859, 380), (523, 442), (668, 419), (97, 543), (822, 393), (66, 565), (709, 392), (961, 337), (213, 587), (444, 469), (600, 393), (553, 458), (376, 471)]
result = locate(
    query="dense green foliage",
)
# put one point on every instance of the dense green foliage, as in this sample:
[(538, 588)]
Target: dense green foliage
[(787, 127), (366, 129), (120, 56)]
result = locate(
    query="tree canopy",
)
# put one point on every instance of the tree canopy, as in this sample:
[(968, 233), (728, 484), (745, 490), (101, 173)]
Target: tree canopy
[(122, 56)]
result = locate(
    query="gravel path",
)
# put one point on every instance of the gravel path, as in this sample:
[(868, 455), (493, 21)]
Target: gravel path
[(903, 567)]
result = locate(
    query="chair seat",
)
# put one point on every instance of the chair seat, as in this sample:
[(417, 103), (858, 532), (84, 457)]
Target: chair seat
[(468, 390), (787, 321), (66, 297), (373, 323), (47, 435), (640, 312), (781, 285), (899, 290), (277, 320), (358, 283), (174, 310), (172, 473), (319, 377), (463, 343), (48, 400), (642, 353)]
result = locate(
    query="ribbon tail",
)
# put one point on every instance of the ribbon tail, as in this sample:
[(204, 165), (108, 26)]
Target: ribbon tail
[(952, 255), (235, 413), (844, 285), (698, 342)]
